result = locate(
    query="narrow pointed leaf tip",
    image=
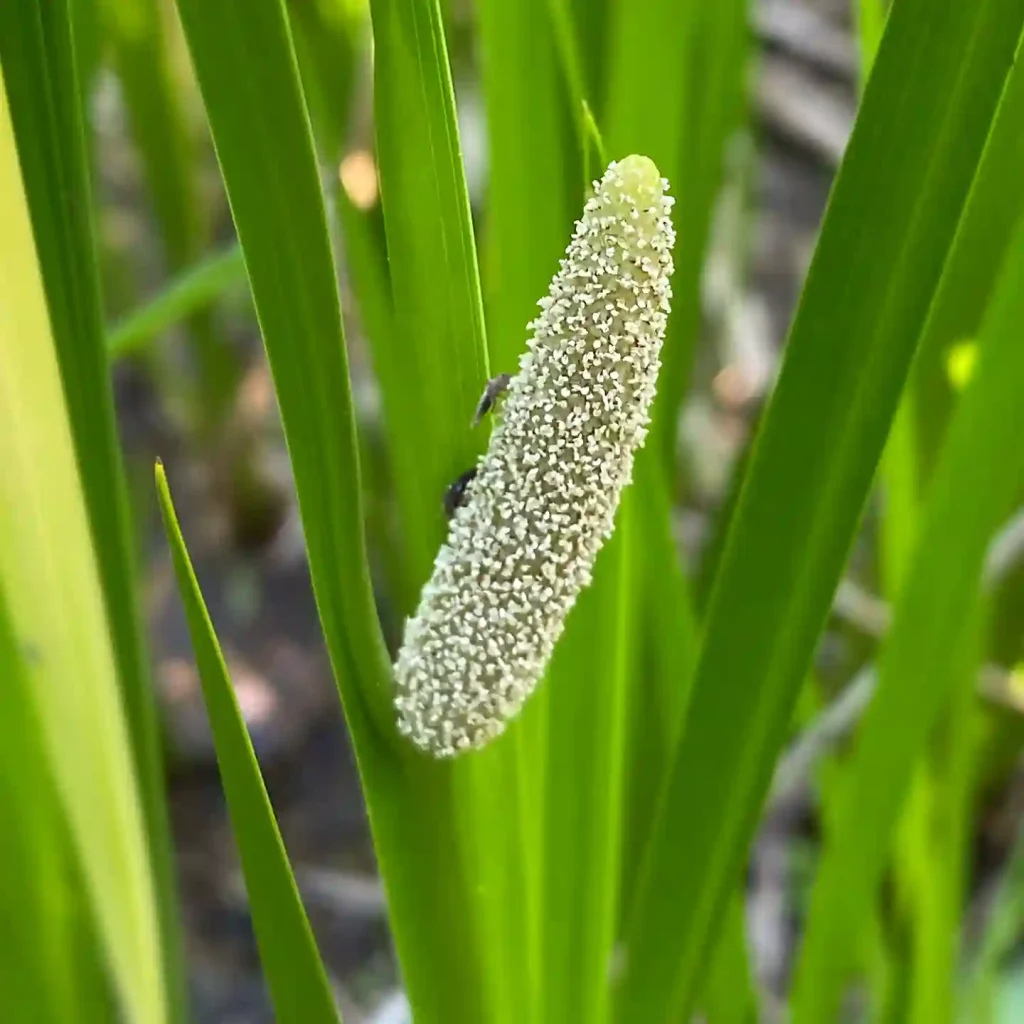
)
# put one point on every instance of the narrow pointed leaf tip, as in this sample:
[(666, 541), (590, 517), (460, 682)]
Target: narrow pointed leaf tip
[(543, 501)]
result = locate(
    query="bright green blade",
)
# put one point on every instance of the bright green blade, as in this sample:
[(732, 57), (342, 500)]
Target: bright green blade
[(664, 649), (533, 194), (692, 57), (294, 972), (586, 711), (195, 288), (890, 223), (52, 577), (432, 261), (439, 348), (530, 207), (38, 972), (870, 25), (678, 74), (979, 473), (247, 73), (40, 75), (729, 996)]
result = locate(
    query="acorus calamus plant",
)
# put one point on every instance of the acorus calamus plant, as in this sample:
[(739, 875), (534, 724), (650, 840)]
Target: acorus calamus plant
[(590, 864), (543, 499)]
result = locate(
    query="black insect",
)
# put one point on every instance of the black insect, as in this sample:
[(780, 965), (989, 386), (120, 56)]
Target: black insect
[(455, 496), (495, 386)]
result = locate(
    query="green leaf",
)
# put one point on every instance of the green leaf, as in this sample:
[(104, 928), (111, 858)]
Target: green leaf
[(729, 996), (533, 194), (195, 288), (664, 642), (870, 25), (37, 973), (52, 562), (432, 260), (531, 205), (677, 80), (295, 975), (39, 72), (890, 223), (586, 704), (976, 479)]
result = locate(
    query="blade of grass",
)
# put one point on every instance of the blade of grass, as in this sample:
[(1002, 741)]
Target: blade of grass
[(432, 260), (976, 479), (424, 204), (440, 344), (532, 193), (677, 53), (889, 225), (870, 26), (693, 58), (193, 289), (665, 649), (38, 61), (729, 996), (247, 73), (294, 972), (52, 575), (529, 213), (587, 686)]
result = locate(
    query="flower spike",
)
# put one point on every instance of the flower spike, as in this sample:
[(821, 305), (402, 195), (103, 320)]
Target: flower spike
[(543, 499)]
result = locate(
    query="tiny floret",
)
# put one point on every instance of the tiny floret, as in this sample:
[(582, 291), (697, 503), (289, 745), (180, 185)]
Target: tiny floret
[(543, 499)]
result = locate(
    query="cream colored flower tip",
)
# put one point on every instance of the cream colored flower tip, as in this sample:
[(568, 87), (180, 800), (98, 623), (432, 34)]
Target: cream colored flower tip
[(522, 546)]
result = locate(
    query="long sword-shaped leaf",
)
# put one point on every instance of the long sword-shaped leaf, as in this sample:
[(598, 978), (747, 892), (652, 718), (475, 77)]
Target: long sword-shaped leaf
[(432, 259), (52, 580), (677, 80), (38, 972), (294, 973), (529, 216), (976, 479), (40, 74), (890, 223)]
